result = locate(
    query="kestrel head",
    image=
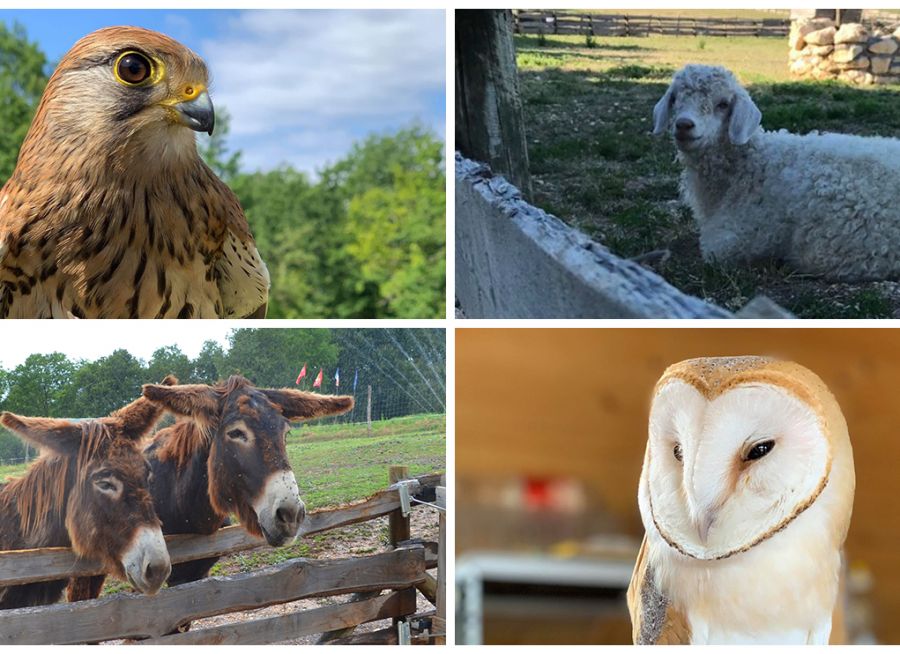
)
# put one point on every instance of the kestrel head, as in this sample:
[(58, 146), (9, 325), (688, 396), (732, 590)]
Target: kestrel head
[(130, 87)]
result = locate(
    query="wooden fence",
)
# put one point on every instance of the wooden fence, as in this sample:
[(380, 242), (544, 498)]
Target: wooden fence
[(401, 570), (552, 22)]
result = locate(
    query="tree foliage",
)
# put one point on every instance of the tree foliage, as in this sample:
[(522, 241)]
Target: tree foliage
[(22, 80)]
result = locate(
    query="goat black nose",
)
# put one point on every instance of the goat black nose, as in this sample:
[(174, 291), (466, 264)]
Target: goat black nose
[(684, 124)]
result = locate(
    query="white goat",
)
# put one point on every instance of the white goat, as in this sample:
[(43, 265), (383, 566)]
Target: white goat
[(827, 204)]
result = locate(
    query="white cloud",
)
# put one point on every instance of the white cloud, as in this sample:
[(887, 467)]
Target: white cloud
[(291, 79)]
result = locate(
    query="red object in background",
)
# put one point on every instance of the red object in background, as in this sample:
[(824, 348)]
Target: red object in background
[(301, 375), (538, 493), (318, 382)]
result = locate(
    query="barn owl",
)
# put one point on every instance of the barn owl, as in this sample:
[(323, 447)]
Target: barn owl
[(745, 495)]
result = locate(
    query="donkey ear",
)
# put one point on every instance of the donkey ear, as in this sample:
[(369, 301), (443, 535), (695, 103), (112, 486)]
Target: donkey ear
[(54, 434), (745, 119), (661, 113), (300, 405), (189, 400), (135, 419)]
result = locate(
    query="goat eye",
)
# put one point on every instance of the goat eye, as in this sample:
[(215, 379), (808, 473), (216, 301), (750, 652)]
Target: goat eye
[(237, 435), (676, 452), (759, 450)]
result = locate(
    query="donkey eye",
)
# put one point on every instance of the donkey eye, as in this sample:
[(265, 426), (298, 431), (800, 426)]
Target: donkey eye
[(108, 486), (676, 452), (723, 105), (237, 435), (672, 99)]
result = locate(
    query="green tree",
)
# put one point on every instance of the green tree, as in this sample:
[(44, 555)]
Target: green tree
[(22, 80), (273, 357), (170, 360), (37, 388), (209, 362), (109, 383)]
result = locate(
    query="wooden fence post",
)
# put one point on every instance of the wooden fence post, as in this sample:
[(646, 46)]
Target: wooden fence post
[(489, 125), (398, 524), (440, 620)]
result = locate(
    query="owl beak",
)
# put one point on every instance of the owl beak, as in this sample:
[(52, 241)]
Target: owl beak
[(198, 114), (706, 521)]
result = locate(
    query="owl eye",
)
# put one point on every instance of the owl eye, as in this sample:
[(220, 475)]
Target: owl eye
[(133, 68), (759, 450), (676, 452)]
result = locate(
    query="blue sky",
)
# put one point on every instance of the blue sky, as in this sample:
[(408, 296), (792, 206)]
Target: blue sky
[(301, 86)]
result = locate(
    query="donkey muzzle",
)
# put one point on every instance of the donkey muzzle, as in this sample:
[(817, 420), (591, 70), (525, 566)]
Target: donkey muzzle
[(279, 510), (146, 561)]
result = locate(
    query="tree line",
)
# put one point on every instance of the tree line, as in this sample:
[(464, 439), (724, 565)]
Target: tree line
[(405, 368), (366, 239)]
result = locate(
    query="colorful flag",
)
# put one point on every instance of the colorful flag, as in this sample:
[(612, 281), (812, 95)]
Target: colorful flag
[(301, 375), (318, 382), (355, 379), (337, 378)]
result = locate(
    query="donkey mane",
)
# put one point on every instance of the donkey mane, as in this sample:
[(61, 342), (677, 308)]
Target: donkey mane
[(189, 436), (41, 494)]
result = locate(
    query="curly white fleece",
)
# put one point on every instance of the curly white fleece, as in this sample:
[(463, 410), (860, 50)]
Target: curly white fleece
[(827, 204)]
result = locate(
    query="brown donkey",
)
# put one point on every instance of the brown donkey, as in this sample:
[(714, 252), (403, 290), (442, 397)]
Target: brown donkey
[(227, 456), (89, 490)]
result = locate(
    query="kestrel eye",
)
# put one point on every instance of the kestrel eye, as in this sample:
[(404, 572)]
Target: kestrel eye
[(676, 452), (133, 68), (759, 450)]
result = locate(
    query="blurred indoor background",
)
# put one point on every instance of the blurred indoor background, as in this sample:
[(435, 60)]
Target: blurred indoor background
[(551, 426)]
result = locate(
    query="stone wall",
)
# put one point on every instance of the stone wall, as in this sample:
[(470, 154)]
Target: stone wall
[(852, 52)]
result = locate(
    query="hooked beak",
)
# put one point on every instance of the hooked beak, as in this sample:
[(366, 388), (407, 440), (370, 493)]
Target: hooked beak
[(704, 523), (198, 114)]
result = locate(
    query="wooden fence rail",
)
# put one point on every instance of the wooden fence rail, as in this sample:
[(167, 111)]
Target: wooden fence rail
[(128, 615), (549, 22), (132, 616)]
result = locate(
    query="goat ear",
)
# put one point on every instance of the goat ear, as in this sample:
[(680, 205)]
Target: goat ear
[(54, 434), (661, 113), (190, 400), (300, 405), (135, 419), (745, 119)]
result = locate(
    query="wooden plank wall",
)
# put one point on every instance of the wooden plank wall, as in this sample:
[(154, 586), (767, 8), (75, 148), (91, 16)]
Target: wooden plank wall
[(574, 402)]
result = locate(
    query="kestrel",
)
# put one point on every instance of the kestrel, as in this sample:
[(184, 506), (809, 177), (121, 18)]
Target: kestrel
[(111, 212)]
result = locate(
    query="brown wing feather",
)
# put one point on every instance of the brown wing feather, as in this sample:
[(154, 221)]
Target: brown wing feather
[(243, 278), (654, 620)]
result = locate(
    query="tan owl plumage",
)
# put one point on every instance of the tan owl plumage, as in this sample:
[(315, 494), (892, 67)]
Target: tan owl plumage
[(111, 212), (745, 495)]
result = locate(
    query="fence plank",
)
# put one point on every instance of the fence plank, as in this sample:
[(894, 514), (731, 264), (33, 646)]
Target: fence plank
[(27, 566), (627, 25), (300, 623), (141, 616)]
